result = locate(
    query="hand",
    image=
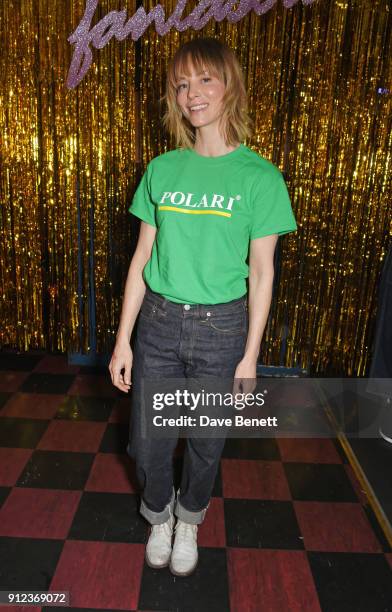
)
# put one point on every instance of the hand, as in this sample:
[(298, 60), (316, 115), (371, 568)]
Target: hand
[(122, 358), (245, 380)]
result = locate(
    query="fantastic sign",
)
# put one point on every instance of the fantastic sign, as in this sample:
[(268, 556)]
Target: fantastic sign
[(115, 24)]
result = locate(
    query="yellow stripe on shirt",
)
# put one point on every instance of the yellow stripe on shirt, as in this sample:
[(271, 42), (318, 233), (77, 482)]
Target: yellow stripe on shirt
[(195, 212)]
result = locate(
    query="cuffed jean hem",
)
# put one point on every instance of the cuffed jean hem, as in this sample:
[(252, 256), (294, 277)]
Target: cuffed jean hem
[(157, 518), (194, 518)]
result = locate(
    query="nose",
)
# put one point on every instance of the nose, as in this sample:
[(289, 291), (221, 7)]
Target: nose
[(193, 91)]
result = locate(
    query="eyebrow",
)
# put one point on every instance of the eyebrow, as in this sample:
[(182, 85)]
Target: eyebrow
[(199, 74)]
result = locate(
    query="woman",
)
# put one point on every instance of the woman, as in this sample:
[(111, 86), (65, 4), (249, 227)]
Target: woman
[(205, 207)]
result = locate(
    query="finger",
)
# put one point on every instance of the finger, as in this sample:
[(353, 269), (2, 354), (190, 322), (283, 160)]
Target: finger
[(118, 379), (127, 375), (236, 386), (248, 385), (121, 384), (254, 384)]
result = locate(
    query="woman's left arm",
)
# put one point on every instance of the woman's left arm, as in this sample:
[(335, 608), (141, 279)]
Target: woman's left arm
[(261, 276)]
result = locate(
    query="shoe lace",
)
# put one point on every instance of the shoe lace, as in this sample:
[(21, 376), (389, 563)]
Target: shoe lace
[(161, 528), (184, 530)]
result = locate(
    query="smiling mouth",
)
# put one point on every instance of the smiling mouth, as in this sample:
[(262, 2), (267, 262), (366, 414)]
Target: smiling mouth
[(197, 108)]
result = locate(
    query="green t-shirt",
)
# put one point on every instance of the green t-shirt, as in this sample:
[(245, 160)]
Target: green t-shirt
[(206, 209)]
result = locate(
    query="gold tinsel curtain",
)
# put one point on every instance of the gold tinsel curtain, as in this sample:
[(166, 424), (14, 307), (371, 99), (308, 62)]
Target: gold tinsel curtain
[(319, 82)]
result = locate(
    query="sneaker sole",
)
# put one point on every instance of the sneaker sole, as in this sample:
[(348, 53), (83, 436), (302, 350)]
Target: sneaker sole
[(188, 573)]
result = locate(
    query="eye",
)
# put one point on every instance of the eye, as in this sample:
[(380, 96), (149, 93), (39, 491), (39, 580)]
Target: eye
[(206, 79), (179, 87)]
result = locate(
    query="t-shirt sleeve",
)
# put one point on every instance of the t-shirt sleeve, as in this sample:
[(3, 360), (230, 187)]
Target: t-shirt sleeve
[(272, 211), (142, 204)]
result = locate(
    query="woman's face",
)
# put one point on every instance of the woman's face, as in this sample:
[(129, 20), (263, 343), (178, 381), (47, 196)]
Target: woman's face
[(199, 95)]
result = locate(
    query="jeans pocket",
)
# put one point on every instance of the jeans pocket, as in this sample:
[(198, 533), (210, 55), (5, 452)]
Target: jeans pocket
[(152, 311), (230, 323)]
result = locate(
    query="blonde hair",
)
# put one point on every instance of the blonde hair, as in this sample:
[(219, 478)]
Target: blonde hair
[(221, 61)]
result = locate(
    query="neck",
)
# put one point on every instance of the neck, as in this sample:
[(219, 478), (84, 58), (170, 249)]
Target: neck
[(211, 144)]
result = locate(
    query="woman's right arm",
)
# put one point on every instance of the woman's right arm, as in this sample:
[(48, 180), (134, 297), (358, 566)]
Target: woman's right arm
[(135, 289)]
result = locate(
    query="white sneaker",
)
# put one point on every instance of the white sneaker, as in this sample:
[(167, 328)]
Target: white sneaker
[(159, 545), (184, 556)]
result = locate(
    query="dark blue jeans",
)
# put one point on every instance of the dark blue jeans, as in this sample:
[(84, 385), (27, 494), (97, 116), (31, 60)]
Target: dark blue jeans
[(191, 342)]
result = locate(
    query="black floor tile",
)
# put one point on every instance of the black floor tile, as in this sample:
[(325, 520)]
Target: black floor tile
[(17, 362), (4, 397), (206, 589), (250, 448), (115, 438), (18, 432), (47, 383), (217, 490), (28, 563), (109, 517), (4, 492), (377, 529), (375, 457), (80, 408), (340, 450), (56, 470), (352, 582), (319, 482), (253, 523)]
